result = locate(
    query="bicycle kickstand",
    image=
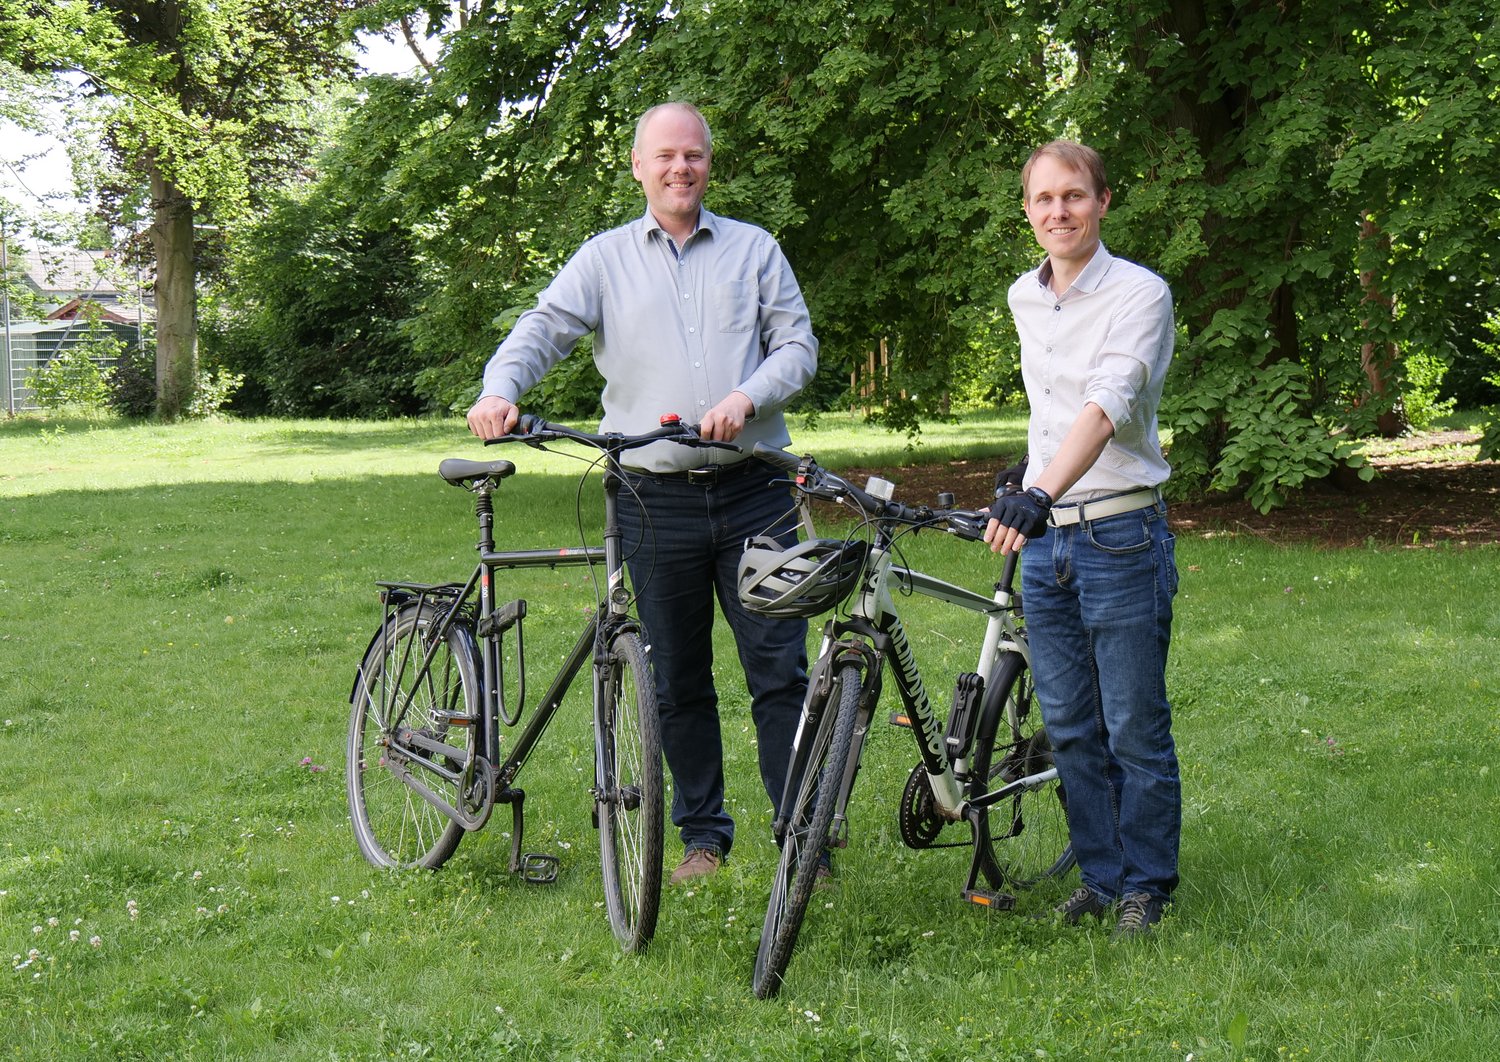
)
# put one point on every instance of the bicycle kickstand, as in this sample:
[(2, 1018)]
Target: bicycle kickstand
[(535, 868), (983, 851)]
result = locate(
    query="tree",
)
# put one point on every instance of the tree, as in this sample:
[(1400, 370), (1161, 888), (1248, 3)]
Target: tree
[(204, 109), (1309, 177)]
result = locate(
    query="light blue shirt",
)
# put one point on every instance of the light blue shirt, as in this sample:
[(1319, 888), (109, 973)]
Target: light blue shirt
[(675, 331), (1108, 339)]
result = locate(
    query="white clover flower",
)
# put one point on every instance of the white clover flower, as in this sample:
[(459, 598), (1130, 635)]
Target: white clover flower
[(53, 922), (96, 941), (73, 934), (36, 930)]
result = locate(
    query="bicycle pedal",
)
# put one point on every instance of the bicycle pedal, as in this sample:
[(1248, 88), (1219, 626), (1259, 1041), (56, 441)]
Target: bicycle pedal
[(452, 718), (539, 869), (901, 719), (995, 901)]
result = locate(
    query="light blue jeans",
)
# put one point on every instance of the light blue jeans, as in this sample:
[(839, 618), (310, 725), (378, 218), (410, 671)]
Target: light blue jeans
[(1098, 600)]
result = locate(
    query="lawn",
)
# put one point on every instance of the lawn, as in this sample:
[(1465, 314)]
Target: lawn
[(183, 608)]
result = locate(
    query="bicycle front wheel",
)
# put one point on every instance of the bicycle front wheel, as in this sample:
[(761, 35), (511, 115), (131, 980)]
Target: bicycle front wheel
[(817, 769), (628, 794), (1030, 829), (402, 726)]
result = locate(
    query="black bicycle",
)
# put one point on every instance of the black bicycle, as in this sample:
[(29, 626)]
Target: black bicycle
[(431, 696), (990, 767)]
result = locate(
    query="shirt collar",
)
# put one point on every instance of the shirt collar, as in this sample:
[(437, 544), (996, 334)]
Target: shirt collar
[(1089, 279), (707, 222)]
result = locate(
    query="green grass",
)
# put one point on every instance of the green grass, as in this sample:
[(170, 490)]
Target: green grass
[(183, 610)]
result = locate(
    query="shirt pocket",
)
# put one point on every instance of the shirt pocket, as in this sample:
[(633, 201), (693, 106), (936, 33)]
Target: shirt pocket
[(734, 305)]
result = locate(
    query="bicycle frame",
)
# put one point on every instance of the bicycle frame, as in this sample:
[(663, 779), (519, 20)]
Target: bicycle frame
[(483, 779), (873, 633), (874, 622)]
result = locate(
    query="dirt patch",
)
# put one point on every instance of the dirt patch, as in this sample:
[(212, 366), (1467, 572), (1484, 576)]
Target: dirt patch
[(1428, 489)]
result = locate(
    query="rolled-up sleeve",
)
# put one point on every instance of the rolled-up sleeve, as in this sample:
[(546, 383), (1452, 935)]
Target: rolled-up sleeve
[(1134, 353)]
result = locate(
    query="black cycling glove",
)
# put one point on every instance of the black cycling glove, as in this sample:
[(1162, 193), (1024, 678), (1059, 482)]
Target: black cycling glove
[(1025, 511), (1011, 477)]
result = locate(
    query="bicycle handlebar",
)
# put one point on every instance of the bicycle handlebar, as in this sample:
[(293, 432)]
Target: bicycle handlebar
[(534, 431), (813, 479)]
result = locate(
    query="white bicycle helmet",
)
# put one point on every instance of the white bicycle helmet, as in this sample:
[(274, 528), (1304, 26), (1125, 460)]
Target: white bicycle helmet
[(792, 582)]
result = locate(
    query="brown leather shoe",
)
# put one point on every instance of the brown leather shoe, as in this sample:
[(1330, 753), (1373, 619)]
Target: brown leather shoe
[(697, 863)]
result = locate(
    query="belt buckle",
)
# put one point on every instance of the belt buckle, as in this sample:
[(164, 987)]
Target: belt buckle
[(703, 476)]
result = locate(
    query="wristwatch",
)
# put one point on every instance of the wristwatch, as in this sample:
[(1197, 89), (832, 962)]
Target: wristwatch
[(1041, 497)]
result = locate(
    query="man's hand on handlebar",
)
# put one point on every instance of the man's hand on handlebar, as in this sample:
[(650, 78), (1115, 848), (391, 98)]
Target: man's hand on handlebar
[(726, 420), (493, 417)]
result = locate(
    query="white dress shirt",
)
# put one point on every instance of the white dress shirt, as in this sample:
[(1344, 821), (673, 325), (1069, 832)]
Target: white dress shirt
[(1108, 340)]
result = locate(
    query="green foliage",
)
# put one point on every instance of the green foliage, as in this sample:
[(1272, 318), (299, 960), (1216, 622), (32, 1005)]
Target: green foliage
[(1489, 442), (132, 383), (213, 392), (71, 378), (314, 308), (1310, 179), (1422, 383)]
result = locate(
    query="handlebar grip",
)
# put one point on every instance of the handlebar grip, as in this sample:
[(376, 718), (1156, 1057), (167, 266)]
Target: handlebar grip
[(529, 424), (780, 458)]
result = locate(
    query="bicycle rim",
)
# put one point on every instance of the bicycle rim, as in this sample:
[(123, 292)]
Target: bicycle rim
[(818, 768), (629, 797), (1029, 831), (393, 825)]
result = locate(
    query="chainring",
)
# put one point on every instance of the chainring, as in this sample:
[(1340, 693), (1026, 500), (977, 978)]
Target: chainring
[(918, 817)]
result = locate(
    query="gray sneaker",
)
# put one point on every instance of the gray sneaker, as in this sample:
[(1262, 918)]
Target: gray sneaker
[(1139, 911), (1084, 901)]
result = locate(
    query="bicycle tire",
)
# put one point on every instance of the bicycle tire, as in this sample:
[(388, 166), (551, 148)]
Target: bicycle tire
[(818, 767), (1029, 831), (393, 825), (628, 796)]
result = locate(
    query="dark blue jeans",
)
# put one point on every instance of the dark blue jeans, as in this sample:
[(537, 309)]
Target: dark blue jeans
[(1098, 599), (683, 543)]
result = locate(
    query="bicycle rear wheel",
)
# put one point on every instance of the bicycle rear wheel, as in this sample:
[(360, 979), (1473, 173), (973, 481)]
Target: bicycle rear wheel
[(816, 771), (1029, 830), (400, 711), (628, 793)]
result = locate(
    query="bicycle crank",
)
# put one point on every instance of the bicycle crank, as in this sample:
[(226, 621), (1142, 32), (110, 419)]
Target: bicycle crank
[(918, 817)]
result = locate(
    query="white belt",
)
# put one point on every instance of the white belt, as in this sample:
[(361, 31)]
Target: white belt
[(1112, 505)]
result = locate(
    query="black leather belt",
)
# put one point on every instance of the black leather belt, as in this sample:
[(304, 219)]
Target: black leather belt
[(700, 477)]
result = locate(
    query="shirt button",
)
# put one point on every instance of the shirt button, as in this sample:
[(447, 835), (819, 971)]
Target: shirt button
[(1049, 350), (687, 294), (691, 330), (697, 365), (1058, 306), (702, 403)]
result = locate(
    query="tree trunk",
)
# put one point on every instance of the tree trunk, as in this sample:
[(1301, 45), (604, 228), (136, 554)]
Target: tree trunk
[(176, 297), (1378, 360)]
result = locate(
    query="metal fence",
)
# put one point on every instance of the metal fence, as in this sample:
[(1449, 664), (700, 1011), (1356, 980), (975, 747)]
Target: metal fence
[(30, 345)]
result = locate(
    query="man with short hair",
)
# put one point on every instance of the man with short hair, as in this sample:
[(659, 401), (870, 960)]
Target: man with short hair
[(701, 316), (1098, 565)]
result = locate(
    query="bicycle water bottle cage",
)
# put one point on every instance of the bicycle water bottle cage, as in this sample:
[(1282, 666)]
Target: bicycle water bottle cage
[(967, 691)]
